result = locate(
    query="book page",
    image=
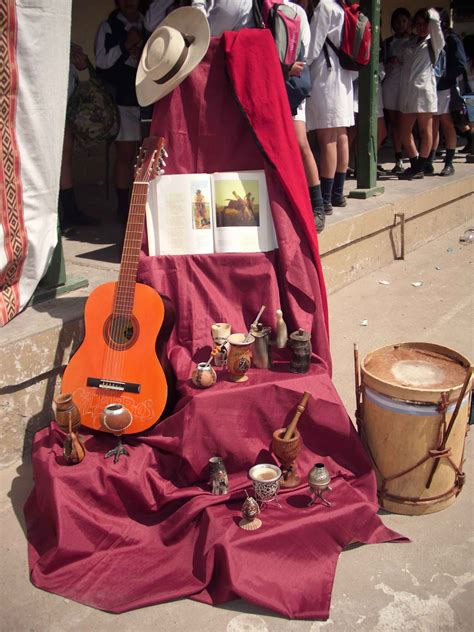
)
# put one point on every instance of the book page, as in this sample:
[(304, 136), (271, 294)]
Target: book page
[(181, 218), (243, 221)]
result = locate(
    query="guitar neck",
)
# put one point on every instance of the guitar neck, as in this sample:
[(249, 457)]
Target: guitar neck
[(125, 293)]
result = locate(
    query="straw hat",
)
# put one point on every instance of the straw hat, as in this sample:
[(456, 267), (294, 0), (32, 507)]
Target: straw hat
[(173, 50)]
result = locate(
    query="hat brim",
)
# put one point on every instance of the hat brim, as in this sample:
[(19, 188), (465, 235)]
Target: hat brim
[(190, 21)]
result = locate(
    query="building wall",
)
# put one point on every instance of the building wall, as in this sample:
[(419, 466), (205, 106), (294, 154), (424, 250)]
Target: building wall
[(86, 17)]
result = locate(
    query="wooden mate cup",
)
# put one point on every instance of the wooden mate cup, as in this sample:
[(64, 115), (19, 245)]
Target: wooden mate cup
[(66, 412), (73, 448), (286, 446)]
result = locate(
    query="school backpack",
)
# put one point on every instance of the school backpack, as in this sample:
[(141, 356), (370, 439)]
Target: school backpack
[(284, 24), (356, 38)]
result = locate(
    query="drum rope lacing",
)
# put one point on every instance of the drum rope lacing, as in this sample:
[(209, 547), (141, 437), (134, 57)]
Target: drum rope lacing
[(433, 453)]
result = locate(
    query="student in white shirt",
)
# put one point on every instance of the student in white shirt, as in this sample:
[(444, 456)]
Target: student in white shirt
[(329, 110), (223, 15), (418, 101), (118, 46)]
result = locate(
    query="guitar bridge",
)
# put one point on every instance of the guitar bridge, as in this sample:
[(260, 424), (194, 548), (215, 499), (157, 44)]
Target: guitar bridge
[(113, 385)]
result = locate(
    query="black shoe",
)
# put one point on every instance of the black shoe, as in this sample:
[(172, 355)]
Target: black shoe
[(411, 174), (469, 146), (319, 219), (350, 173), (328, 208), (339, 201), (398, 168), (429, 169), (447, 170)]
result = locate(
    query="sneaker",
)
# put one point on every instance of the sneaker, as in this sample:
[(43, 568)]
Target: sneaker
[(411, 174), (328, 208), (447, 170), (429, 169), (350, 173), (398, 168), (319, 219), (339, 201)]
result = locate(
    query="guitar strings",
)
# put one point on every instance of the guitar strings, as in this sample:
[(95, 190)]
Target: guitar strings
[(124, 295)]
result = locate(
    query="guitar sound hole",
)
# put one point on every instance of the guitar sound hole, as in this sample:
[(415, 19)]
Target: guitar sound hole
[(120, 331)]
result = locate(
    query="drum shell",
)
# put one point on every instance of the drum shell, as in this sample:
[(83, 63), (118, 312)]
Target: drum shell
[(399, 425)]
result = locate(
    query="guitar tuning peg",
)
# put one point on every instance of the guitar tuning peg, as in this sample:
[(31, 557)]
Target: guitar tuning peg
[(161, 172), (162, 163), (165, 153)]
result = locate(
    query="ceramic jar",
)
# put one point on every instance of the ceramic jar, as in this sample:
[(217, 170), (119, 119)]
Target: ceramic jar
[(240, 356), (220, 332), (300, 343), (204, 375)]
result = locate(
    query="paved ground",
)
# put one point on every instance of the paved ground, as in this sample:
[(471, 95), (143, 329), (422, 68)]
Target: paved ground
[(424, 586)]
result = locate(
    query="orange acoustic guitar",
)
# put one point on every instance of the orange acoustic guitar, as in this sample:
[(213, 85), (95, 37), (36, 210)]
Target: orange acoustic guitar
[(116, 367)]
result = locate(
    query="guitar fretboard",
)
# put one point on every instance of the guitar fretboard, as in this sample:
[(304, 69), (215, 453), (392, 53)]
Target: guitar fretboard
[(125, 293)]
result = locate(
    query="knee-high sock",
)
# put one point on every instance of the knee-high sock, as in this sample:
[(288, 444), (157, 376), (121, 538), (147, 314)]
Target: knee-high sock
[(326, 189), (338, 186)]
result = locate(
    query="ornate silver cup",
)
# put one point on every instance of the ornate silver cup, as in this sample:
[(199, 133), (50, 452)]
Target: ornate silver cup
[(265, 478), (218, 479)]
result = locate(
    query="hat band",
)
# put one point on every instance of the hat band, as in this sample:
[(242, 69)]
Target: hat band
[(188, 40)]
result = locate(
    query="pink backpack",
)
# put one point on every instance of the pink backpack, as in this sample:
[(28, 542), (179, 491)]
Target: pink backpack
[(284, 24), (356, 38)]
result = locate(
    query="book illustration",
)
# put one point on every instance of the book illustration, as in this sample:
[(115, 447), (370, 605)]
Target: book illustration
[(201, 206), (201, 213), (237, 203)]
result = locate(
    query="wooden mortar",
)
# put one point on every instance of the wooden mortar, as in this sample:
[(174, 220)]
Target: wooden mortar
[(286, 451), (286, 446)]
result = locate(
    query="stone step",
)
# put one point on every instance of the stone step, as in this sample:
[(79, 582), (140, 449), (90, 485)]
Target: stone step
[(364, 236)]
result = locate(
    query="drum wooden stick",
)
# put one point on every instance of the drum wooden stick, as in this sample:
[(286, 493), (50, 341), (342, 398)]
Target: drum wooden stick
[(301, 406), (451, 424), (357, 382)]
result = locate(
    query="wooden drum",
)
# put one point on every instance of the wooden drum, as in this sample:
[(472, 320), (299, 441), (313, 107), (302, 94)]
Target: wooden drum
[(410, 393)]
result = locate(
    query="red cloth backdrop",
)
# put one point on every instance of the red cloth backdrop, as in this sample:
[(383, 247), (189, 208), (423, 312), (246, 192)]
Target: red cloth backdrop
[(232, 114), (147, 529)]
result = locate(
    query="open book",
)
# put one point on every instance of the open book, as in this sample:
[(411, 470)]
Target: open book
[(203, 213)]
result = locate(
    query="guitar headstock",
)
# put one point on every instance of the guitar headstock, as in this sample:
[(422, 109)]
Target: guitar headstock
[(150, 159)]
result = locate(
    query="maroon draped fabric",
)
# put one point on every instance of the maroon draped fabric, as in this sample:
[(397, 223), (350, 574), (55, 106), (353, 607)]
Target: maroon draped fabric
[(147, 529), (211, 124)]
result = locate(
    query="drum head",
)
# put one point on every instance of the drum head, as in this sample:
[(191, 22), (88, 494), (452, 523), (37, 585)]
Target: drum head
[(414, 367)]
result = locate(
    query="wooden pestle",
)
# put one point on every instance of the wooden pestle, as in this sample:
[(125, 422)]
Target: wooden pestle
[(301, 406)]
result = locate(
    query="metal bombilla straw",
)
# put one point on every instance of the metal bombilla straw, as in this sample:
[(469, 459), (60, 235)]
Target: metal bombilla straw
[(254, 324)]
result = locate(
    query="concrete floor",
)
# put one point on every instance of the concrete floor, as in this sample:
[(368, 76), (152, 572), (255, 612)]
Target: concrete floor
[(424, 586)]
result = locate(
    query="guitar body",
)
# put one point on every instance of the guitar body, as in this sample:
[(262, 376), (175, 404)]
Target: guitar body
[(116, 362)]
